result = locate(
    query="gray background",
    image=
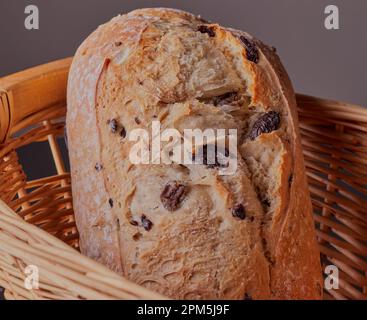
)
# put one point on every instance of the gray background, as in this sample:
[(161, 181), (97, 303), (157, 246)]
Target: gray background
[(320, 62)]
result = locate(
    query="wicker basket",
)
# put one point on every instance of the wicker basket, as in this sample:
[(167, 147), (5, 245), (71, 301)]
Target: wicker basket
[(36, 217)]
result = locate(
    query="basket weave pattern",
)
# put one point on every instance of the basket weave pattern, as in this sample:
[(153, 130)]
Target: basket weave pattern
[(37, 225)]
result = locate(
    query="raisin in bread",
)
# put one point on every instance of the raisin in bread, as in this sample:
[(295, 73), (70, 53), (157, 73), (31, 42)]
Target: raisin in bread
[(187, 231)]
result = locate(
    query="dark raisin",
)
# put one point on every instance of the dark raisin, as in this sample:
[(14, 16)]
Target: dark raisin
[(238, 211), (201, 158), (266, 123), (134, 223), (137, 120), (226, 98), (204, 159), (113, 125), (252, 53), (266, 203), (118, 43), (123, 132), (172, 195), (147, 224), (110, 201), (98, 167), (247, 297), (206, 29)]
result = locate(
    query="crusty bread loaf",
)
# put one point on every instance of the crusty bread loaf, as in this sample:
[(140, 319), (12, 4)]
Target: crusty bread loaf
[(186, 231)]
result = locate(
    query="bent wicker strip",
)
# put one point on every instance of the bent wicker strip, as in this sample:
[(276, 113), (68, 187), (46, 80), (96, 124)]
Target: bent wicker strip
[(63, 272), (37, 225)]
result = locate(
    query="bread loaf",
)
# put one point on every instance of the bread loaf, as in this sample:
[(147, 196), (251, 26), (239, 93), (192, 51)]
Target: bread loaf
[(187, 231)]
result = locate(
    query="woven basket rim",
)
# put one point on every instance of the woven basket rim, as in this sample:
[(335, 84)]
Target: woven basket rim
[(304, 98), (44, 239)]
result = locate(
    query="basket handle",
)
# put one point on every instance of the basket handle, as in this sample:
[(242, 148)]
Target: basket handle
[(25, 93)]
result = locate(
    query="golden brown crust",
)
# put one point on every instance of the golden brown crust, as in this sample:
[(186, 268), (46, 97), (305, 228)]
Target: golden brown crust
[(297, 272), (154, 64)]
